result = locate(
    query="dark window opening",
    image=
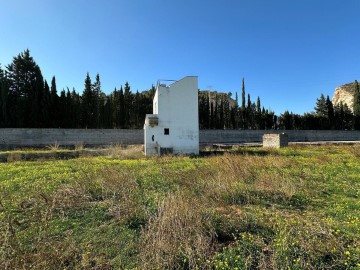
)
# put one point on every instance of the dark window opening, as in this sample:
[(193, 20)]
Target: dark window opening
[(166, 131)]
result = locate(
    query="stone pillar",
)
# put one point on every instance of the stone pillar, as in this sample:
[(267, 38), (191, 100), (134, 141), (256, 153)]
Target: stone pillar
[(275, 140)]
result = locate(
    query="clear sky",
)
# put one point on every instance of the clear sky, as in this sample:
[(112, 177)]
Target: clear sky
[(288, 51)]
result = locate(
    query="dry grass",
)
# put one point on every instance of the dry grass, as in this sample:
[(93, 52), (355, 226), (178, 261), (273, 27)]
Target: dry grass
[(253, 210), (178, 236), (355, 150), (54, 147), (126, 151)]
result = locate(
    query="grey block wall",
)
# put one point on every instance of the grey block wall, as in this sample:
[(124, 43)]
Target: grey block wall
[(246, 136), (10, 137), (45, 137)]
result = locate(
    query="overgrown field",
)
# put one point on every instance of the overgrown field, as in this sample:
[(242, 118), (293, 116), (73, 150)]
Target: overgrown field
[(294, 208)]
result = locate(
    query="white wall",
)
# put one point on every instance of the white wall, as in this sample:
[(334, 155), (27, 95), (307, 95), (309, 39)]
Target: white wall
[(177, 108)]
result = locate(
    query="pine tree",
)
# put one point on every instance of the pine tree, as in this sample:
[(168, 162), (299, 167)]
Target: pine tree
[(22, 74), (88, 105), (321, 112), (330, 113), (321, 109), (348, 118), (286, 120)]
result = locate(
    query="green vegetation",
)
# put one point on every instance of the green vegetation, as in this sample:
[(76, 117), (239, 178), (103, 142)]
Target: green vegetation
[(293, 208), (27, 101)]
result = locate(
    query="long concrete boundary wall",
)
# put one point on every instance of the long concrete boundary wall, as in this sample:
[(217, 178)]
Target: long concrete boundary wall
[(10, 138), (245, 136)]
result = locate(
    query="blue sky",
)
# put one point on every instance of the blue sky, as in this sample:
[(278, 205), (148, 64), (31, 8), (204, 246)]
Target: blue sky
[(288, 51)]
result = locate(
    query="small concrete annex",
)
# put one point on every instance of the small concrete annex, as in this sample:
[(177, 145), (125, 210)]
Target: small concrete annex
[(174, 125)]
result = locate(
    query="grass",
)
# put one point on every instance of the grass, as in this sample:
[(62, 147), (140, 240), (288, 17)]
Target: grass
[(250, 208)]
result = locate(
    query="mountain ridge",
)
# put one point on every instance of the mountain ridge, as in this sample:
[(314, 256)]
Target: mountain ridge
[(345, 94)]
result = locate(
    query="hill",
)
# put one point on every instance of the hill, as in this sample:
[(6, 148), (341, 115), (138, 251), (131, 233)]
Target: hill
[(344, 94)]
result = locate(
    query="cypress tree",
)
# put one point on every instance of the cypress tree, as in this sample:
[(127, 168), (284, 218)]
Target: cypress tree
[(136, 110), (54, 105), (37, 96), (4, 90), (249, 114), (121, 111), (234, 113), (208, 116), (356, 106), (243, 113), (227, 118), (216, 116), (127, 105), (96, 89), (243, 95), (212, 117), (201, 104), (258, 105), (45, 105), (76, 116), (107, 116), (87, 104), (62, 110)]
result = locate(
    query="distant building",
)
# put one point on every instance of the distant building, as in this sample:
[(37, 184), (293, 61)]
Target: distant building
[(174, 125)]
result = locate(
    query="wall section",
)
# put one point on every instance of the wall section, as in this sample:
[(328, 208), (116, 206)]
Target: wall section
[(22, 137), (10, 138)]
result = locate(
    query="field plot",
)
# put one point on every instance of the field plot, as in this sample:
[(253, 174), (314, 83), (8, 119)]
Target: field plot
[(250, 208)]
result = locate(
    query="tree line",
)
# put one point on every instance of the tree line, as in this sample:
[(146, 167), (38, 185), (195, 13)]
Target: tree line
[(219, 111), (326, 116), (28, 101)]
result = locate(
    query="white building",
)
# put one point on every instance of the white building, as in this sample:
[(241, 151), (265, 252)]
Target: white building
[(174, 125)]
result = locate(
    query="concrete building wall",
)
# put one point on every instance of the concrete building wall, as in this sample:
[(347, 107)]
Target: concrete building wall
[(11, 137), (176, 107)]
